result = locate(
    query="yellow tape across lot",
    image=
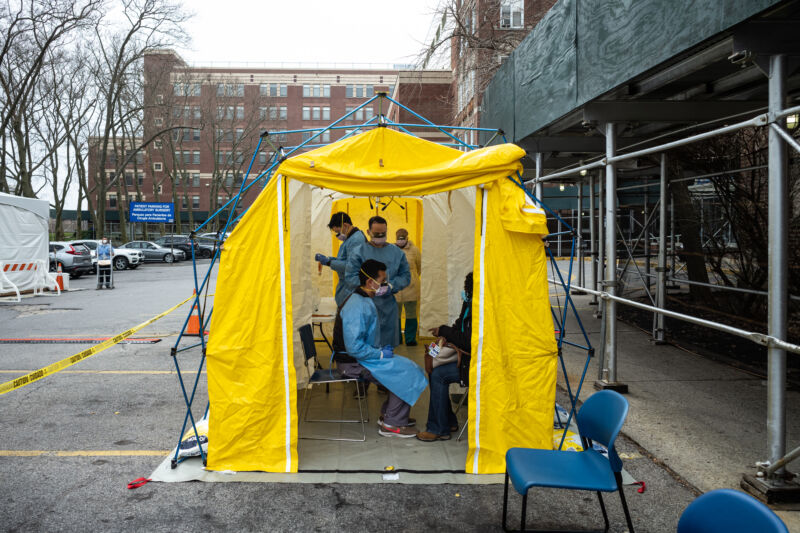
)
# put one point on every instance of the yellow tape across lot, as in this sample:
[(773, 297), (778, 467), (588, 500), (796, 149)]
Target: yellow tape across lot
[(36, 375)]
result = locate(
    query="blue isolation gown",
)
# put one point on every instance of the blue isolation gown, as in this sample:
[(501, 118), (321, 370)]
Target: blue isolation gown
[(361, 331), (339, 264), (397, 274)]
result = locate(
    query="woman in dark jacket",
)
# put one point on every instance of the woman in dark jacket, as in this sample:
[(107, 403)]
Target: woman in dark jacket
[(441, 419)]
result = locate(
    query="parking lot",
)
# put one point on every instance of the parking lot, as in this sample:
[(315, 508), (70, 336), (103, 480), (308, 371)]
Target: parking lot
[(71, 442)]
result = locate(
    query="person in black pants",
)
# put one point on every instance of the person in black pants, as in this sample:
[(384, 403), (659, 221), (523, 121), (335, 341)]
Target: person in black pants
[(445, 369)]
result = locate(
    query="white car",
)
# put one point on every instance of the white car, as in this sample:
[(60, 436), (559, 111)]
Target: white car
[(123, 257)]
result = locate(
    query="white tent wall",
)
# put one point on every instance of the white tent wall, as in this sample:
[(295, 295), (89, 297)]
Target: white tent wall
[(447, 251), (301, 269), (24, 236), (448, 241)]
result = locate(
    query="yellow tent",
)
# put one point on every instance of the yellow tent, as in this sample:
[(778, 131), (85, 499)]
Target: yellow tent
[(252, 351)]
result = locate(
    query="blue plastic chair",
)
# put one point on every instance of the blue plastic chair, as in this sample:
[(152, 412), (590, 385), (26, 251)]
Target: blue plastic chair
[(729, 511), (599, 419)]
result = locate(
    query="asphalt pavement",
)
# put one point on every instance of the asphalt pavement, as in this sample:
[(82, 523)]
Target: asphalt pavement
[(71, 442)]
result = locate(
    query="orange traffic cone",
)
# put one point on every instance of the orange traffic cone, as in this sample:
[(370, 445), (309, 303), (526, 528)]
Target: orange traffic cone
[(60, 278), (193, 327)]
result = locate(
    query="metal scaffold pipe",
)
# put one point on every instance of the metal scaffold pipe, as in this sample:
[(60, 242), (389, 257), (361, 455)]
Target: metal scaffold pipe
[(539, 190), (610, 310), (661, 289), (778, 217), (592, 237)]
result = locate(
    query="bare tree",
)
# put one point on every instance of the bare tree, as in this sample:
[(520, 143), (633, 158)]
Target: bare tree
[(119, 55), (31, 31)]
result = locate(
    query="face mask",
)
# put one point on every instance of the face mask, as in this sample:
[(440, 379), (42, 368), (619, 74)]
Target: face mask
[(382, 290), (341, 236), (464, 296), (402, 243), (379, 240)]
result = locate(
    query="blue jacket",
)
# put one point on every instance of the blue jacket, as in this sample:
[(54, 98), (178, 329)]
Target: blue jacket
[(361, 331), (339, 263), (104, 251), (397, 273)]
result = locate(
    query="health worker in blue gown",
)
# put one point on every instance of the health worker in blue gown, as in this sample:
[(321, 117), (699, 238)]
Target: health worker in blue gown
[(398, 277), (351, 238)]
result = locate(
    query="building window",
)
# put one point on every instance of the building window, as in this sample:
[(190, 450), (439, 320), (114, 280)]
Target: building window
[(195, 134), (283, 113), (184, 204), (512, 14), (326, 136), (326, 113), (370, 90), (158, 121), (315, 113), (157, 167), (239, 111), (359, 91), (306, 113), (262, 113), (112, 200), (230, 89), (159, 189), (129, 179), (262, 158), (197, 114), (140, 178), (196, 157), (195, 180), (158, 144), (306, 91), (239, 134), (263, 89), (368, 112), (159, 99), (348, 91)]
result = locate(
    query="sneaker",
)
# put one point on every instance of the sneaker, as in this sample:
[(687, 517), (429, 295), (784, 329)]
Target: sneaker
[(391, 431), (424, 436), (411, 422)]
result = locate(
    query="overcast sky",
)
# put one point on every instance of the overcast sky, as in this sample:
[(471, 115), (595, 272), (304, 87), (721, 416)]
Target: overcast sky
[(341, 31)]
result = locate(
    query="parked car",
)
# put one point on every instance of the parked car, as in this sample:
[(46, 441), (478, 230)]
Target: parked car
[(183, 242), (155, 253), (74, 259), (123, 257)]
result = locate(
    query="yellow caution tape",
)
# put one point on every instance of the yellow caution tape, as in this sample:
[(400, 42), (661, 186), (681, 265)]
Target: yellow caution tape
[(36, 375)]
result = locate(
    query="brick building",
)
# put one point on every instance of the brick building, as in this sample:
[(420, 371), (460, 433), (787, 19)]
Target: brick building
[(202, 126), (485, 33)]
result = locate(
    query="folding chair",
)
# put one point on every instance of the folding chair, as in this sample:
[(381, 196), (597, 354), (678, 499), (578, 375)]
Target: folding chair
[(461, 353), (326, 376), (729, 511), (600, 419)]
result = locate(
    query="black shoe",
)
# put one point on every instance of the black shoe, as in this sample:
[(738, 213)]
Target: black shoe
[(411, 343)]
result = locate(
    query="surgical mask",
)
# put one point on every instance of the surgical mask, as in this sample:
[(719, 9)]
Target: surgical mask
[(341, 236), (464, 296), (379, 240), (402, 243), (382, 290)]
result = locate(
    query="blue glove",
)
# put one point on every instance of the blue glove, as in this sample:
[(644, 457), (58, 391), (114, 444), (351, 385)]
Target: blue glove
[(324, 259), (387, 352)]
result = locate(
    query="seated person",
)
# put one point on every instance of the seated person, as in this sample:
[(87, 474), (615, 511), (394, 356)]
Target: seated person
[(403, 378), (445, 369)]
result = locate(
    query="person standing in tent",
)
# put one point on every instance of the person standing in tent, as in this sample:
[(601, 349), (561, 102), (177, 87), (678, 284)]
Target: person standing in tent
[(398, 276), (351, 238), (409, 297), (449, 368), (402, 377)]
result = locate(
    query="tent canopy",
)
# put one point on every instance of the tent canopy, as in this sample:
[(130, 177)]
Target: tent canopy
[(253, 352)]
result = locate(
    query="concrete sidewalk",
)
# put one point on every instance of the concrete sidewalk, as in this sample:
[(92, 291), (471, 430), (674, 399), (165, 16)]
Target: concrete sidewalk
[(704, 420)]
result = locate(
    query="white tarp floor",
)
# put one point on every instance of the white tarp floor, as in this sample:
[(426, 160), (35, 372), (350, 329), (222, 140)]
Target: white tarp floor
[(381, 456)]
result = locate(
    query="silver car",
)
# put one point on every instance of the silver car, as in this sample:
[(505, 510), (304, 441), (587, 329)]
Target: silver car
[(154, 253), (75, 259), (123, 258)]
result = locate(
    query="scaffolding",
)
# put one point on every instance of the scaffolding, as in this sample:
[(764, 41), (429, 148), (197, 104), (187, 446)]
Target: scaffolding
[(202, 310), (605, 238)]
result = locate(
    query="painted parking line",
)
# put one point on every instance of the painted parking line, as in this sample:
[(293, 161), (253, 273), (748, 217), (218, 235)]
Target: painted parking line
[(154, 372), (83, 453)]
